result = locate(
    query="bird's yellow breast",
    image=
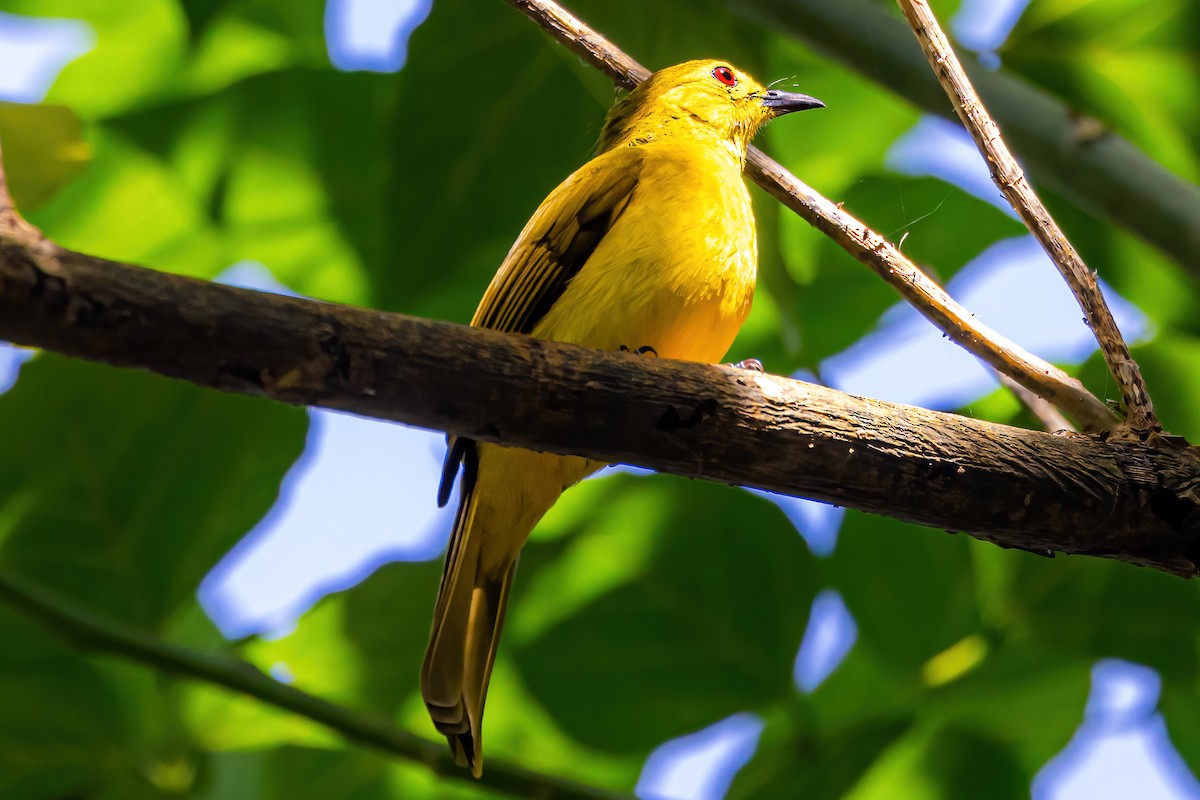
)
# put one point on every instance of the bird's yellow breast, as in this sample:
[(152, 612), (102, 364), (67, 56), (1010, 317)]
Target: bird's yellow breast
[(677, 270)]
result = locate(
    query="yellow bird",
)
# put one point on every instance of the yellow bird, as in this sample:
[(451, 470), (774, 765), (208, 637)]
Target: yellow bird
[(649, 247)]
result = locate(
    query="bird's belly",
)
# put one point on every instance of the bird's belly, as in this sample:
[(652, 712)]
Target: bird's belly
[(691, 329), (685, 308)]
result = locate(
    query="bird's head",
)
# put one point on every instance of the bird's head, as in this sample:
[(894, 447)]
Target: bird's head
[(707, 98)]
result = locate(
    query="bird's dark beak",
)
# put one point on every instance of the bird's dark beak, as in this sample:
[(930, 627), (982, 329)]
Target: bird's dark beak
[(787, 102)]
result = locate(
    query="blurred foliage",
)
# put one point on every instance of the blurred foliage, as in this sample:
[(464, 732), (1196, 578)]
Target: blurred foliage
[(198, 133), (1130, 64)]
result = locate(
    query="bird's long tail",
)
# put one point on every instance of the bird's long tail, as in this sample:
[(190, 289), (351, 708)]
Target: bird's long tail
[(467, 620)]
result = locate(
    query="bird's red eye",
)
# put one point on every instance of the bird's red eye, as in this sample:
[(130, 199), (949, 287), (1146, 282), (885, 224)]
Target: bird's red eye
[(725, 76)]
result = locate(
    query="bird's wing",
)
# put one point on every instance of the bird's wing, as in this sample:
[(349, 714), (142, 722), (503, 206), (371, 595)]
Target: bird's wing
[(556, 243)]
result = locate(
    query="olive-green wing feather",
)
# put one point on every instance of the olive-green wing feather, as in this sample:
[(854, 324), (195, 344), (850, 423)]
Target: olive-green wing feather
[(556, 243)]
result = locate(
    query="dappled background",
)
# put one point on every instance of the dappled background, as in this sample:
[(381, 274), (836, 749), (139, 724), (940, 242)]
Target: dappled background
[(681, 638)]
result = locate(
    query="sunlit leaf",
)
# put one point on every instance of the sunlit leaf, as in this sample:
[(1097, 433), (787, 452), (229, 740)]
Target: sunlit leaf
[(1130, 63), (44, 150), (793, 762), (943, 763), (909, 588), (122, 489), (61, 720), (128, 206), (1180, 707), (1025, 701), (1087, 607), (139, 49), (708, 626)]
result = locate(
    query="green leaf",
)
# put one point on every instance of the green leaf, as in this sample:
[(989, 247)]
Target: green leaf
[(234, 48), (304, 187), (152, 51), (470, 153), (44, 151), (708, 626), (286, 166), (832, 148), (361, 647), (122, 489), (236, 40), (792, 762), (201, 12), (909, 589), (1130, 63), (871, 727), (1180, 707), (1171, 367), (946, 762), (138, 52), (128, 206), (304, 774), (865, 691), (220, 721), (665, 32), (1082, 607), (61, 720), (295, 773), (1020, 697)]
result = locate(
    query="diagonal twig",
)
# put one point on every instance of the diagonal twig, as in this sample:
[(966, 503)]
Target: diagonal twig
[(1035, 374), (87, 630), (1047, 414), (1010, 178)]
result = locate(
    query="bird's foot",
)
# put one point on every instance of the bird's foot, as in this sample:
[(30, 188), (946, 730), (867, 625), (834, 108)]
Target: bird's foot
[(749, 363), (641, 351)]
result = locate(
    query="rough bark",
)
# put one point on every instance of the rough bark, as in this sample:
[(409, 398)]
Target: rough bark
[(1136, 501)]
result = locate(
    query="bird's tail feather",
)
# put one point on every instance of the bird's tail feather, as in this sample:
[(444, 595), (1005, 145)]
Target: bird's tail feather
[(467, 620)]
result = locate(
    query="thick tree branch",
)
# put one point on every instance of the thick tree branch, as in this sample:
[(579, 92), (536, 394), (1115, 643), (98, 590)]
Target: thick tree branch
[(1040, 377), (1010, 178), (1105, 174), (88, 631), (1130, 500)]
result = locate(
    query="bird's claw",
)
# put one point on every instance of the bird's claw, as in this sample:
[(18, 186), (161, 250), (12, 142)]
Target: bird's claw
[(749, 363), (641, 351)]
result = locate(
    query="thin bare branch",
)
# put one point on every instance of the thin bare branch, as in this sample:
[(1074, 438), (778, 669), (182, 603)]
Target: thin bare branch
[(1011, 179), (584, 42), (87, 630), (1040, 377), (1046, 413)]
